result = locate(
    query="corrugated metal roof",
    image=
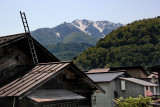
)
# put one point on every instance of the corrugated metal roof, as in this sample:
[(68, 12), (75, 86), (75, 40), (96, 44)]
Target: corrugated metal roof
[(138, 81), (53, 95), (4, 39), (104, 77), (37, 75), (98, 70)]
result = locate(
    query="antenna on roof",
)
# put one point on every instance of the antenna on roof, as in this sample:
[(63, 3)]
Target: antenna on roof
[(30, 40)]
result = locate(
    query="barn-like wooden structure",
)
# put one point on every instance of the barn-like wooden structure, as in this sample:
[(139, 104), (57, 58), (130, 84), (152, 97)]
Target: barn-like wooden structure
[(50, 83)]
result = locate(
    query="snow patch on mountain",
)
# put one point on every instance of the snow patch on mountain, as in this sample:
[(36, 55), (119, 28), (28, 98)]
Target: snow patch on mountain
[(97, 29), (57, 34), (96, 25), (100, 25), (80, 25)]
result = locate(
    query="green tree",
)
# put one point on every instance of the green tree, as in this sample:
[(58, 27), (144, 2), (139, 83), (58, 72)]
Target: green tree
[(131, 45), (133, 102)]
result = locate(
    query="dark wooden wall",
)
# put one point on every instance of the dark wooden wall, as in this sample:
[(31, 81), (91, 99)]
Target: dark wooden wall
[(70, 80), (136, 72), (13, 55), (6, 102)]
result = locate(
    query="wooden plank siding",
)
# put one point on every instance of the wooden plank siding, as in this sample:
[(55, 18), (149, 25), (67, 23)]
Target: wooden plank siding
[(21, 77), (11, 56), (131, 89)]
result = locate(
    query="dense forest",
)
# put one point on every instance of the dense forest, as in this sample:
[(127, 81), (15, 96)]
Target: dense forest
[(66, 52), (72, 45), (137, 43)]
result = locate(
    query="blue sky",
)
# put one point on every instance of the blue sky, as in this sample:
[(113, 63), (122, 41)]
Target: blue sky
[(50, 13)]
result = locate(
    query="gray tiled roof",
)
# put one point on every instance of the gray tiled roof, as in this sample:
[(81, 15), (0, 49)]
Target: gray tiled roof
[(139, 81), (104, 77)]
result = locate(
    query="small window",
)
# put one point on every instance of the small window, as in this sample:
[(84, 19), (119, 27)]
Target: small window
[(154, 90), (115, 94), (122, 84), (147, 88), (94, 99), (62, 77)]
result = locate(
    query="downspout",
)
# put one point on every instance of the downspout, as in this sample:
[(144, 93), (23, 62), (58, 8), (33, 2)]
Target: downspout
[(14, 102)]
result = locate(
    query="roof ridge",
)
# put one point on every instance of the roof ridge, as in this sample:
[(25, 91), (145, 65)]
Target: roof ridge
[(54, 62), (128, 79), (104, 72), (11, 38), (99, 68), (12, 35)]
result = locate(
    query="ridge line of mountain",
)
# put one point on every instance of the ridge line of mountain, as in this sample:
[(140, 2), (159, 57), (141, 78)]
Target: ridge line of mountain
[(94, 29)]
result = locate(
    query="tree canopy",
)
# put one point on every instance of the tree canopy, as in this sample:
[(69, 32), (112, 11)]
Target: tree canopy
[(134, 44)]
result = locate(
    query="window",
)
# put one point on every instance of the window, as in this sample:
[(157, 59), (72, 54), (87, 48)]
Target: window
[(94, 99), (154, 90), (122, 84), (147, 88)]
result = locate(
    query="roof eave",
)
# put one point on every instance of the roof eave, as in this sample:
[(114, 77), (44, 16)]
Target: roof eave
[(35, 87), (90, 81), (12, 41), (43, 48)]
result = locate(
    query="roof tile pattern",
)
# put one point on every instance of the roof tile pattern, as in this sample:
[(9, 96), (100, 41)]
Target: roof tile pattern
[(37, 75), (4, 39), (98, 70)]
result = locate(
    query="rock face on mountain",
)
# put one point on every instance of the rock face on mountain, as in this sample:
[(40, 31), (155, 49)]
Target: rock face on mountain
[(94, 29)]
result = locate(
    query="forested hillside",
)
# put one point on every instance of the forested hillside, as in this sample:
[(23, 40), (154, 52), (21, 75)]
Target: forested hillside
[(77, 37), (66, 52), (76, 33), (86, 30), (137, 43)]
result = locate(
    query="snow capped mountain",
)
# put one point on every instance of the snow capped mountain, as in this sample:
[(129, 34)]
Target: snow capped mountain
[(82, 25), (55, 35), (100, 26)]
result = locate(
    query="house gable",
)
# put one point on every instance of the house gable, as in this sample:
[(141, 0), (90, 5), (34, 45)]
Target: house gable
[(134, 71), (15, 52), (41, 74)]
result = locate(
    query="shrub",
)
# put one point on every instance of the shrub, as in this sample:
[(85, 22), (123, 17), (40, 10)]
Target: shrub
[(133, 102)]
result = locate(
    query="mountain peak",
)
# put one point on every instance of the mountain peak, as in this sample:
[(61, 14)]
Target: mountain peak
[(56, 34), (84, 25), (81, 24)]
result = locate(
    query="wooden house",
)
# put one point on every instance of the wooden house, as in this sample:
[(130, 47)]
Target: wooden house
[(50, 83), (133, 71), (118, 84), (153, 77), (14, 51), (155, 69)]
